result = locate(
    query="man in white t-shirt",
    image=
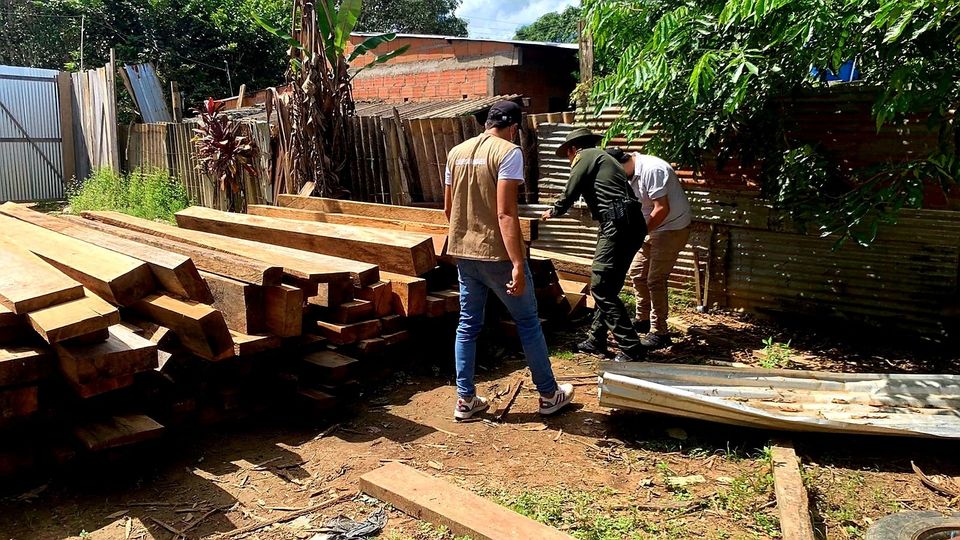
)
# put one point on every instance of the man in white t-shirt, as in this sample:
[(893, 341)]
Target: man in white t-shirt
[(668, 216)]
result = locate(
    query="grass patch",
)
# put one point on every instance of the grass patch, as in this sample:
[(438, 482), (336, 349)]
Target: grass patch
[(775, 355), (149, 195), (579, 513), (746, 496), (682, 298), (562, 354), (630, 301)]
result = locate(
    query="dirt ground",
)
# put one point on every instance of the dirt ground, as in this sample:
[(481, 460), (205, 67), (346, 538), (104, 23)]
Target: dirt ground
[(594, 473)]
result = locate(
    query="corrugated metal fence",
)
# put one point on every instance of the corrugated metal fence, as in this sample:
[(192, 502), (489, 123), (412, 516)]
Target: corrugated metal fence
[(32, 161), (168, 147)]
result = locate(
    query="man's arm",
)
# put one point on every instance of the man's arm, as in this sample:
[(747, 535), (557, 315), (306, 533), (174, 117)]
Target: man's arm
[(578, 172), (661, 209), (508, 215), (447, 201)]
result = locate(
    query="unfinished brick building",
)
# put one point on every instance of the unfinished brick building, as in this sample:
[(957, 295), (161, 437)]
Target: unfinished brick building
[(439, 68)]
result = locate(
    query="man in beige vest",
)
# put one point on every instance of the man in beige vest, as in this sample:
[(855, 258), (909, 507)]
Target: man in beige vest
[(480, 199)]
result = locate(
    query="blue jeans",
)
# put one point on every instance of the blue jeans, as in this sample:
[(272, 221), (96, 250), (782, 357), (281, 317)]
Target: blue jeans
[(476, 279)]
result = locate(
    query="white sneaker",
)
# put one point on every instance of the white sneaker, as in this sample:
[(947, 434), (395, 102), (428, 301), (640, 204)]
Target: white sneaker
[(467, 408), (560, 399)]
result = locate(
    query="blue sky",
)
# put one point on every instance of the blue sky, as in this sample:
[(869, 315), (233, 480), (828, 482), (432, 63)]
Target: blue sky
[(499, 19)]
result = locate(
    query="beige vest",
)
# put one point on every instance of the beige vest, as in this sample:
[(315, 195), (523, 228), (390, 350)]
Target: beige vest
[(474, 227)]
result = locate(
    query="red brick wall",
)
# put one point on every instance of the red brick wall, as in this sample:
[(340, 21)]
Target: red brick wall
[(427, 86), (431, 50)]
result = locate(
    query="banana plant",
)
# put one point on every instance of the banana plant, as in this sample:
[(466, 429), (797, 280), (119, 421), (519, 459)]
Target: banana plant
[(316, 143)]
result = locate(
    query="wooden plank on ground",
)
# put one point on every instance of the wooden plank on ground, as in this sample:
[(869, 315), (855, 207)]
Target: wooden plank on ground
[(296, 263), (442, 503), (27, 283), (242, 304), (73, 319), (392, 251), (255, 271), (346, 334), (24, 365), (792, 501), (117, 431), (409, 294), (199, 327), (122, 353), (283, 310), (173, 272), (119, 279), (528, 226)]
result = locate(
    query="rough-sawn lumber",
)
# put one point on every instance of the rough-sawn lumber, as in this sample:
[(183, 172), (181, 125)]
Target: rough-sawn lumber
[(792, 501), (299, 264), (27, 283), (393, 251), (174, 272), (119, 279)]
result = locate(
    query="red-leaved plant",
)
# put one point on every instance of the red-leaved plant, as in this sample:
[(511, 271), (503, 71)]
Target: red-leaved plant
[(223, 153)]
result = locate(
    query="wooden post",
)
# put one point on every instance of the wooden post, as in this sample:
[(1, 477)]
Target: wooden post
[(65, 94), (176, 102), (111, 116), (405, 169), (243, 91)]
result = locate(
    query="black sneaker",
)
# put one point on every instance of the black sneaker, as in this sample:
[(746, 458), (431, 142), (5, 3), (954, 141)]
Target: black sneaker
[(589, 346), (642, 327), (623, 356), (652, 342)]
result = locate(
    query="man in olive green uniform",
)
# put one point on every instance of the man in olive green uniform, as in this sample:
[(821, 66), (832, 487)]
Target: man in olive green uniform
[(601, 181)]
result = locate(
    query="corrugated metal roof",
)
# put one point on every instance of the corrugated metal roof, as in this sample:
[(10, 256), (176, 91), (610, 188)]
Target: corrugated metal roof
[(570, 46), (432, 109)]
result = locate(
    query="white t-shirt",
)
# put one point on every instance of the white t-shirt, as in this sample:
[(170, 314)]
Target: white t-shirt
[(511, 168), (653, 179)]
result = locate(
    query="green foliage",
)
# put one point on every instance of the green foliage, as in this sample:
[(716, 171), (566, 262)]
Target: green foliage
[(149, 195), (556, 27), (412, 16), (579, 513), (710, 76), (775, 355)]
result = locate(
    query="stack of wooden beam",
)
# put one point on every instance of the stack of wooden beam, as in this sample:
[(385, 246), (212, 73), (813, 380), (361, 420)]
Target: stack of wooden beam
[(182, 317)]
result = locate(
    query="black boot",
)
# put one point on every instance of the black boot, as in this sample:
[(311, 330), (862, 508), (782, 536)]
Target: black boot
[(653, 342), (589, 346), (642, 327), (637, 354)]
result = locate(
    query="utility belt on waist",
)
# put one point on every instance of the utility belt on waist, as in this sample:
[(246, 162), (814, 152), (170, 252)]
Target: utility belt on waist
[(623, 212)]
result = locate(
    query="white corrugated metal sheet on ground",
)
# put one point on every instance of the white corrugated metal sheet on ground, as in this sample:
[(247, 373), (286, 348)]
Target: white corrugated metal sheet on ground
[(861, 403), (31, 156)]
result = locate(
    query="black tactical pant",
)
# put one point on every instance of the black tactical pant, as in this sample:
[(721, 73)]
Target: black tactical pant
[(616, 248)]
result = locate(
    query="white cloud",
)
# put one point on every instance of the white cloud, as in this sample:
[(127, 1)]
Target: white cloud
[(499, 19)]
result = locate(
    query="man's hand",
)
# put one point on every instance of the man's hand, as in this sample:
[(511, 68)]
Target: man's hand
[(519, 283), (547, 214)]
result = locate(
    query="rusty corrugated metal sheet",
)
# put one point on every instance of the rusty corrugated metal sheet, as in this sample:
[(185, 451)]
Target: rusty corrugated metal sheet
[(31, 155)]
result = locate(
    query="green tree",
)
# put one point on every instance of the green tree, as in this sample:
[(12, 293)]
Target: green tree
[(412, 16), (556, 27), (709, 75)]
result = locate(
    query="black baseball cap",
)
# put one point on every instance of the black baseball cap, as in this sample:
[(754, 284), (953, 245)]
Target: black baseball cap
[(618, 154), (505, 113)]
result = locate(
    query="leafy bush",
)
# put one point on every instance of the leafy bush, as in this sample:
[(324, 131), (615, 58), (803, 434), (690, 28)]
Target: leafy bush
[(150, 195)]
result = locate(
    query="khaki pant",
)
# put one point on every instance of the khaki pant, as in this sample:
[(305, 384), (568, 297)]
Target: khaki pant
[(650, 271)]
